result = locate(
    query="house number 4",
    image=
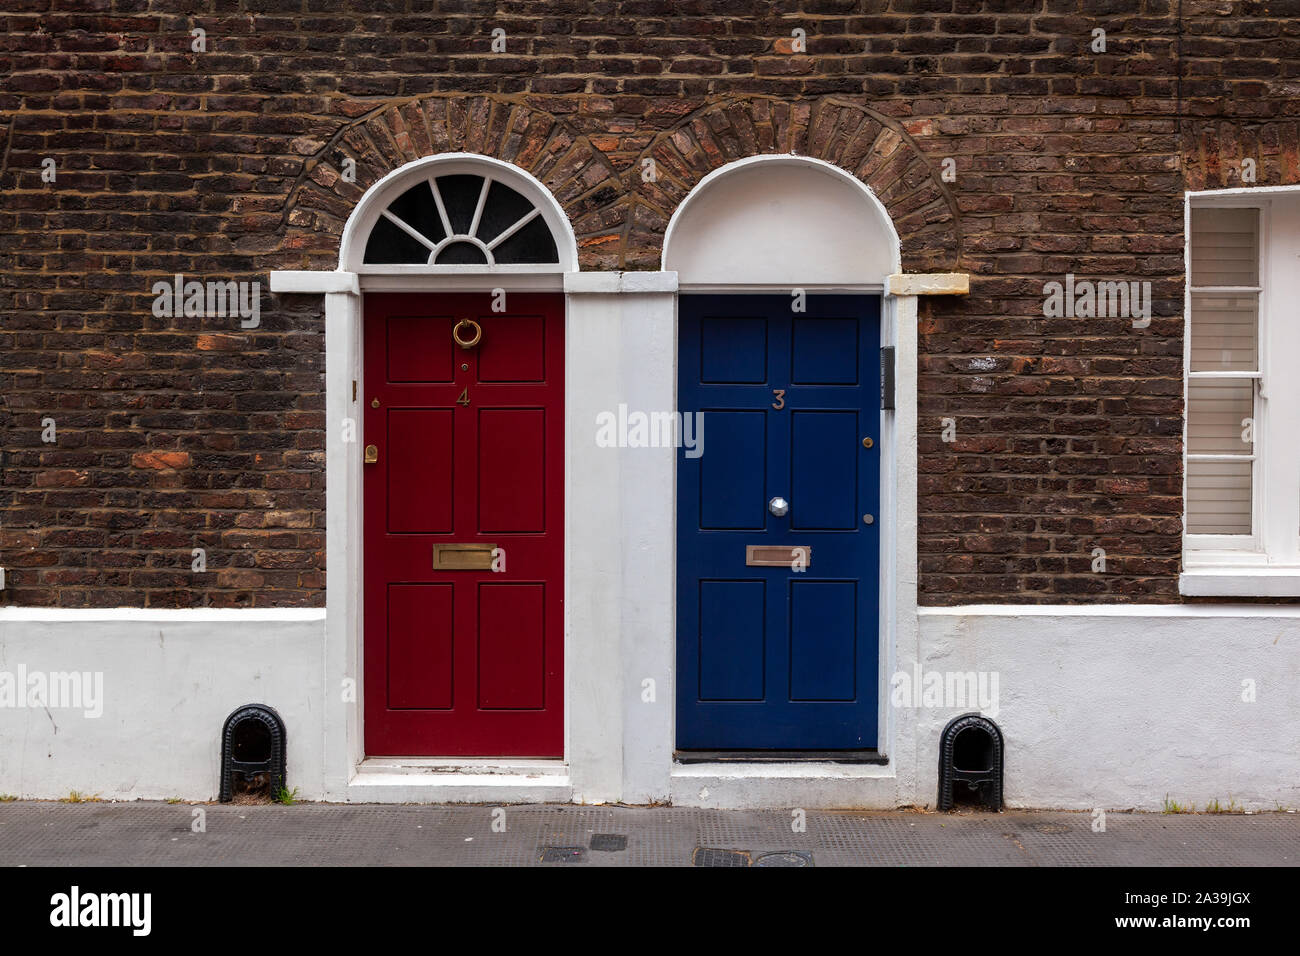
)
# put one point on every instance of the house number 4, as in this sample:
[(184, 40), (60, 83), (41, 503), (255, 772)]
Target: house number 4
[(464, 397), (779, 394)]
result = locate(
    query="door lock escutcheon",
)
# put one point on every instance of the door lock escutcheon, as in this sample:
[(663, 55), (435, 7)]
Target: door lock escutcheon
[(372, 454), (867, 443)]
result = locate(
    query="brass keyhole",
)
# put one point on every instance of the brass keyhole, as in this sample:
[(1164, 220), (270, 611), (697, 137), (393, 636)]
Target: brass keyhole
[(867, 443)]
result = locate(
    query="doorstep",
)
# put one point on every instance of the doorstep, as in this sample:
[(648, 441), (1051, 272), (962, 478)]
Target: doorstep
[(779, 756), (805, 784), (459, 780)]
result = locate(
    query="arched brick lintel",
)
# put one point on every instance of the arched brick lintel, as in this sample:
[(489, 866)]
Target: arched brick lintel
[(383, 139), (874, 148), (619, 218)]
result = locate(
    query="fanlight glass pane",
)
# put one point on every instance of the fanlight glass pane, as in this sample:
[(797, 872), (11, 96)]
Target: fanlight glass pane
[(1216, 409), (505, 217), (390, 245), (531, 244), (503, 209), (1218, 497), (1224, 332), (460, 199), (461, 253), (416, 208)]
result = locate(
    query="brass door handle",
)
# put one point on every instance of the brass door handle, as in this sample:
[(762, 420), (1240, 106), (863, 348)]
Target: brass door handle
[(372, 455), (476, 333)]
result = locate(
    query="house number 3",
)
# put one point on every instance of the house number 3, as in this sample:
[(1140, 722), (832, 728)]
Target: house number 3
[(779, 394)]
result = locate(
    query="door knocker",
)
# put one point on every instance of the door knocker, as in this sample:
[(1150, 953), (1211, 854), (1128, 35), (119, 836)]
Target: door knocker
[(467, 343)]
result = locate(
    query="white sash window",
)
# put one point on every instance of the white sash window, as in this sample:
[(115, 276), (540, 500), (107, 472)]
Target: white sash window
[(1242, 360)]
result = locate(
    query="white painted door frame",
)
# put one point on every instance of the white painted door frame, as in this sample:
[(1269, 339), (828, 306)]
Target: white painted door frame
[(621, 347), (347, 774), (823, 783)]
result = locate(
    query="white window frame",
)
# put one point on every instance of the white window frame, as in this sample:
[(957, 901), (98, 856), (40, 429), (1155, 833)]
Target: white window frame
[(1266, 562)]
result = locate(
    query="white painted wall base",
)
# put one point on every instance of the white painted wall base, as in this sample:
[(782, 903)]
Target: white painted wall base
[(1117, 707), (170, 679), (1113, 707)]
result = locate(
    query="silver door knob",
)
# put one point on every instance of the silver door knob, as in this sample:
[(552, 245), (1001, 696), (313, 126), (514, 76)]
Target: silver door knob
[(778, 506)]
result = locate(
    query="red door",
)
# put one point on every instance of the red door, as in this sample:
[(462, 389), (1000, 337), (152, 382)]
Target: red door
[(464, 524)]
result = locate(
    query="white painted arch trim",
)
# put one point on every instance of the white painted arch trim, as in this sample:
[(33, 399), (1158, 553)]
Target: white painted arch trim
[(855, 265), (377, 198)]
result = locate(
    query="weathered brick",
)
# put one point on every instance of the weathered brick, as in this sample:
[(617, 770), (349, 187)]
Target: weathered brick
[(200, 434)]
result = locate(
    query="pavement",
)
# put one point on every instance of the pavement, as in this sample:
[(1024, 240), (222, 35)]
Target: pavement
[(307, 834)]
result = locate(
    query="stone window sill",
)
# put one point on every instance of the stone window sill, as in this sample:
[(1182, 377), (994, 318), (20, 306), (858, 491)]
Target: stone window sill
[(1239, 581)]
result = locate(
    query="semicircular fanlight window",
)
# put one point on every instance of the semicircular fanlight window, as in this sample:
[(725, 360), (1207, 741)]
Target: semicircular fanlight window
[(461, 219)]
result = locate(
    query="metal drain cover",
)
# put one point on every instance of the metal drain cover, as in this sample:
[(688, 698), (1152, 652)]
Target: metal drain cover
[(563, 854), (785, 858), (712, 856), (609, 842)]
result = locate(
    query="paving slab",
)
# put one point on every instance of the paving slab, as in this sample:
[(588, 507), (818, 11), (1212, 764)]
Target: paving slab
[(306, 834)]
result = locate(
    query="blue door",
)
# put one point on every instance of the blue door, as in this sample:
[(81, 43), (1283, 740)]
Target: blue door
[(778, 530)]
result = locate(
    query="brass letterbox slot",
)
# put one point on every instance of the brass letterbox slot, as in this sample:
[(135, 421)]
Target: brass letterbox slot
[(777, 556), (467, 556)]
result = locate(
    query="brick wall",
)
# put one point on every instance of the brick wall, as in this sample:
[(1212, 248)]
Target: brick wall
[(176, 433)]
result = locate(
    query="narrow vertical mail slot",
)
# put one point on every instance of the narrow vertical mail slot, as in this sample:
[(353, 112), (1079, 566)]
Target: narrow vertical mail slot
[(887, 377), (465, 556), (777, 556)]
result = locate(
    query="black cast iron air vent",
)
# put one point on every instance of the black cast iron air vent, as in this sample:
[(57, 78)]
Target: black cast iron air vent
[(970, 763), (252, 752)]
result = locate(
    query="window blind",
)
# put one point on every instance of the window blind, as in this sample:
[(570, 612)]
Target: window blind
[(1222, 377)]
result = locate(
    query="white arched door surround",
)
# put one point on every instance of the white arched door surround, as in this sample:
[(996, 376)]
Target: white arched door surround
[(777, 224), (620, 537), (399, 238), (781, 221)]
